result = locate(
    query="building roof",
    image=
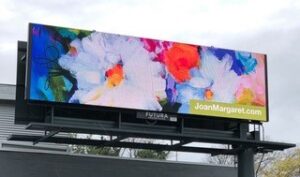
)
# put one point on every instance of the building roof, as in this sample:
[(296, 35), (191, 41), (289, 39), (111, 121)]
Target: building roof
[(8, 126), (7, 92)]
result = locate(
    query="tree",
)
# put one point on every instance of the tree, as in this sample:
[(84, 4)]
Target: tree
[(147, 153), (262, 162), (222, 159), (115, 151), (229, 160), (265, 160), (96, 150), (286, 166), (109, 151), (151, 154)]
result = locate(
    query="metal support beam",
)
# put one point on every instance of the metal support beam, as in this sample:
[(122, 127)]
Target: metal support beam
[(187, 136), (51, 115), (246, 163), (119, 121), (119, 138), (181, 143), (134, 145), (246, 155), (181, 125), (112, 141), (43, 138)]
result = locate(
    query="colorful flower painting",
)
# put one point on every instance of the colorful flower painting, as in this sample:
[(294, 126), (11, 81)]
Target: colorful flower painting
[(109, 70)]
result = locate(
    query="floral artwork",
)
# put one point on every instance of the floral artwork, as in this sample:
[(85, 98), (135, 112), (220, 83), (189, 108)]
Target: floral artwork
[(109, 70)]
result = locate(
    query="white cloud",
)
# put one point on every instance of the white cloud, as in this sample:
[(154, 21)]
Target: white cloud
[(6, 11)]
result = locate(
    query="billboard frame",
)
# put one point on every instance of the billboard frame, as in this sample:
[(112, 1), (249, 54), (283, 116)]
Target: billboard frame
[(239, 136), (118, 109)]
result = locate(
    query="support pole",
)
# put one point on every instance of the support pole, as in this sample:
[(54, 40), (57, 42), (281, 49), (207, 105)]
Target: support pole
[(246, 155), (246, 163), (119, 121), (50, 115)]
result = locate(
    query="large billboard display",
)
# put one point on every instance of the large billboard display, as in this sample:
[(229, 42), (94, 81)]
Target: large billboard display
[(75, 66)]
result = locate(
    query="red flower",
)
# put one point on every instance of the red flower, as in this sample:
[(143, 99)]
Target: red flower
[(179, 59), (150, 44), (114, 75), (157, 47)]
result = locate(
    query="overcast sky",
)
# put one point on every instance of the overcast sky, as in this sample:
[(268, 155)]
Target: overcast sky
[(270, 27)]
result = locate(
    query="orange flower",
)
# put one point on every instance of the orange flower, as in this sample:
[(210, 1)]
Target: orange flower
[(208, 94), (114, 76), (179, 59), (73, 51)]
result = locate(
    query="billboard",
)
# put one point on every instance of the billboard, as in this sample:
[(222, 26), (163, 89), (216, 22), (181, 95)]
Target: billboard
[(73, 66)]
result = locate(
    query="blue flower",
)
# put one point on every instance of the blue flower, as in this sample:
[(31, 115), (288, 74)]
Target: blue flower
[(242, 62), (248, 61)]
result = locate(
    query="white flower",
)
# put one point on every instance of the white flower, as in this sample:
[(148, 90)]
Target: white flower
[(224, 81), (214, 75), (142, 84)]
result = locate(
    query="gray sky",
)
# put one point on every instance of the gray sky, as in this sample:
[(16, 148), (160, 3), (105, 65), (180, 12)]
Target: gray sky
[(271, 27)]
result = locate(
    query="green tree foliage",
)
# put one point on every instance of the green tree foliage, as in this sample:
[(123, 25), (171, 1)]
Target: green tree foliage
[(286, 166), (275, 164), (115, 151), (147, 153), (151, 154), (97, 150)]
